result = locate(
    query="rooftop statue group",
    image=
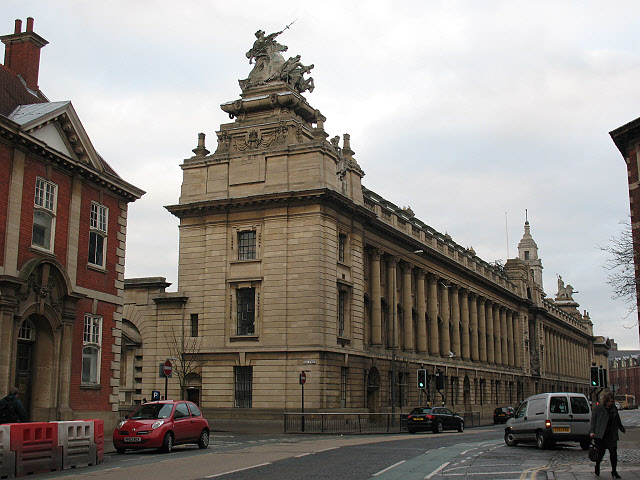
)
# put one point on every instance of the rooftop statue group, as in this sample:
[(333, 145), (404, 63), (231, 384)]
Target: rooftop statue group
[(564, 293), (270, 65)]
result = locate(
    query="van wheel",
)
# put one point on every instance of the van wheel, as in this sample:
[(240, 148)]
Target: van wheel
[(438, 428), (584, 444), (509, 440), (542, 443)]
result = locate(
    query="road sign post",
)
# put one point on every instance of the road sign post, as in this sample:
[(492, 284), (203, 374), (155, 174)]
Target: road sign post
[(167, 368), (303, 379)]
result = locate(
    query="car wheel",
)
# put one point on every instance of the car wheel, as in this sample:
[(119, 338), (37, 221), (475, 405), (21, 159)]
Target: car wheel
[(542, 443), (167, 443), (584, 444), (120, 450), (509, 440), (438, 427), (461, 426), (203, 442)]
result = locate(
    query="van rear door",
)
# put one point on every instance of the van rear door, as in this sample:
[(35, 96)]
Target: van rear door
[(581, 414)]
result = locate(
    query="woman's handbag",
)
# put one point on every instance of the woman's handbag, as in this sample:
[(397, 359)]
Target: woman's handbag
[(593, 452)]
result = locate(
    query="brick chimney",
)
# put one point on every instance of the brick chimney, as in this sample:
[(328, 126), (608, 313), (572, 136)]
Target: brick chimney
[(22, 53)]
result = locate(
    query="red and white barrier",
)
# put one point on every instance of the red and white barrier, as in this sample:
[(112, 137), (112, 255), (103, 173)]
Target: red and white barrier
[(36, 447), (7, 457)]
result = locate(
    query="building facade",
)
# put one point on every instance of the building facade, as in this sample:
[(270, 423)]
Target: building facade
[(288, 264), (63, 216), (627, 139)]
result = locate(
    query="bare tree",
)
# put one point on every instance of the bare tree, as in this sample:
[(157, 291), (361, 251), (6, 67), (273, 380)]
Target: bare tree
[(184, 351), (622, 273)]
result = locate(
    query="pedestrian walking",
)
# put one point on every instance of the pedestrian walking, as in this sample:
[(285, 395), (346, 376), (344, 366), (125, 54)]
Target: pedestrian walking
[(11, 408), (605, 423)]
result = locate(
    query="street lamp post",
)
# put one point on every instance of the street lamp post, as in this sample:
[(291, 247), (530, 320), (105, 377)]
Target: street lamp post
[(393, 349)]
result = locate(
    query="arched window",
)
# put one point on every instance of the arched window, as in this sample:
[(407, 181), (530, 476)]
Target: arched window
[(27, 331)]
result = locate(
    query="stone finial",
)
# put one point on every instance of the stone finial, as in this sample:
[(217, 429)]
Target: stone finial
[(200, 150), (346, 145)]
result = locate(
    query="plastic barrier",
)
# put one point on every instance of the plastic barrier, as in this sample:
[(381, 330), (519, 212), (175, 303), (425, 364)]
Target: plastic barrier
[(36, 447), (7, 457), (76, 440), (98, 438)]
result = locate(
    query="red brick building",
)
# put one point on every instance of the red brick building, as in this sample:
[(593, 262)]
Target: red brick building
[(627, 139), (63, 216)]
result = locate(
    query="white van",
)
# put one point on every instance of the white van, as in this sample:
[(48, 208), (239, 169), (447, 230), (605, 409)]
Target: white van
[(548, 418)]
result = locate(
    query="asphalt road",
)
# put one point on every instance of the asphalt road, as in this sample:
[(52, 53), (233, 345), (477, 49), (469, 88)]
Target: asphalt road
[(476, 454)]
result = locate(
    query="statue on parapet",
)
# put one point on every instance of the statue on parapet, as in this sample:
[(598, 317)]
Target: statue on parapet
[(564, 293), (270, 65)]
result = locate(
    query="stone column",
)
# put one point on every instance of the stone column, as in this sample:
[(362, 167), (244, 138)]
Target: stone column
[(434, 336), (510, 339), (547, 354), (504, 336), (64, 390), (464, 312), (376, 299), (517, 333), (455, 320), (482, 329), (393, 300), (490, 338), (421, 308), (497, 334), (445, 314), (473, 314), (407, 307)]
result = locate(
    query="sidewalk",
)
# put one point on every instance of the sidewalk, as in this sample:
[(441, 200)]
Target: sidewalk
[(628, 462)]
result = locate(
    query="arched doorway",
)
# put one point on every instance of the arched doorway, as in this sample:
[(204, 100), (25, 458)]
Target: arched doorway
[(35, 373)]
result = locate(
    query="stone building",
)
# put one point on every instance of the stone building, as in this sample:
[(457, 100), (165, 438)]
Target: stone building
[(63, 216), (288, 264)]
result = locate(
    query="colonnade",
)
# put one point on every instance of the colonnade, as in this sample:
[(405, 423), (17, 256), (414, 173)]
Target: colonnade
[(564, 355), (445, 317)]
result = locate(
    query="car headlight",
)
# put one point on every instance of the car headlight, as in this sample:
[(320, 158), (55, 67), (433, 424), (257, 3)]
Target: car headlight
[(157, 424), (120, 424)]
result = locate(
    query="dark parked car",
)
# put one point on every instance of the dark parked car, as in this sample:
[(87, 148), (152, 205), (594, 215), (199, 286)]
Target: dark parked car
[(162, 425), (502, 414), (435, 419)]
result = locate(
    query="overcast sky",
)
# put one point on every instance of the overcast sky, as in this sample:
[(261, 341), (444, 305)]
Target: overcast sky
[(468, 112)]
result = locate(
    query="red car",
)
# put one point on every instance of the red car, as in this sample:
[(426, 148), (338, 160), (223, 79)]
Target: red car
[(162, 425)]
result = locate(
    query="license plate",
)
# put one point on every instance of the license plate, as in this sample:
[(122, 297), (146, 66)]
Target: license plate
[(133, 439), (418, 419), (561, 429)]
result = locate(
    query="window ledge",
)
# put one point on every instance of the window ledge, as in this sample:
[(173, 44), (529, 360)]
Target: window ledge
[(244, 338), (42, 251), (90, 386), (96, 268), (249, 260), (344, 341)]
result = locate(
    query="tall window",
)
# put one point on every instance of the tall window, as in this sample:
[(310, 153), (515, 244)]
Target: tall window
[(246, 298), (342, 246), (243, 386), (342, 307), (343, 387), (247, 245), (92, 342), (98, 234), (44, 214), (194, 324)]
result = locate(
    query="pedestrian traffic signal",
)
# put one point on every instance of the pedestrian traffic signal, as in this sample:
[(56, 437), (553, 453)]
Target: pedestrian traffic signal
[(439, 380), (422, 378), (595, 376)]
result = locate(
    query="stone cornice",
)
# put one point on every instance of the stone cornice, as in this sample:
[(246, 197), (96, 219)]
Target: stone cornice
[(320, 195), (11, 134)]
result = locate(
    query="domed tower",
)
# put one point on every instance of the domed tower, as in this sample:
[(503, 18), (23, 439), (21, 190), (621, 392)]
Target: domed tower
[(528, 253)]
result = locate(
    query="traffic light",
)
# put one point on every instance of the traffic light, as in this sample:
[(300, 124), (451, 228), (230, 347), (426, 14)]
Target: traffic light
[(439, 380), (603, 377), (595, 376), (422, 378)]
